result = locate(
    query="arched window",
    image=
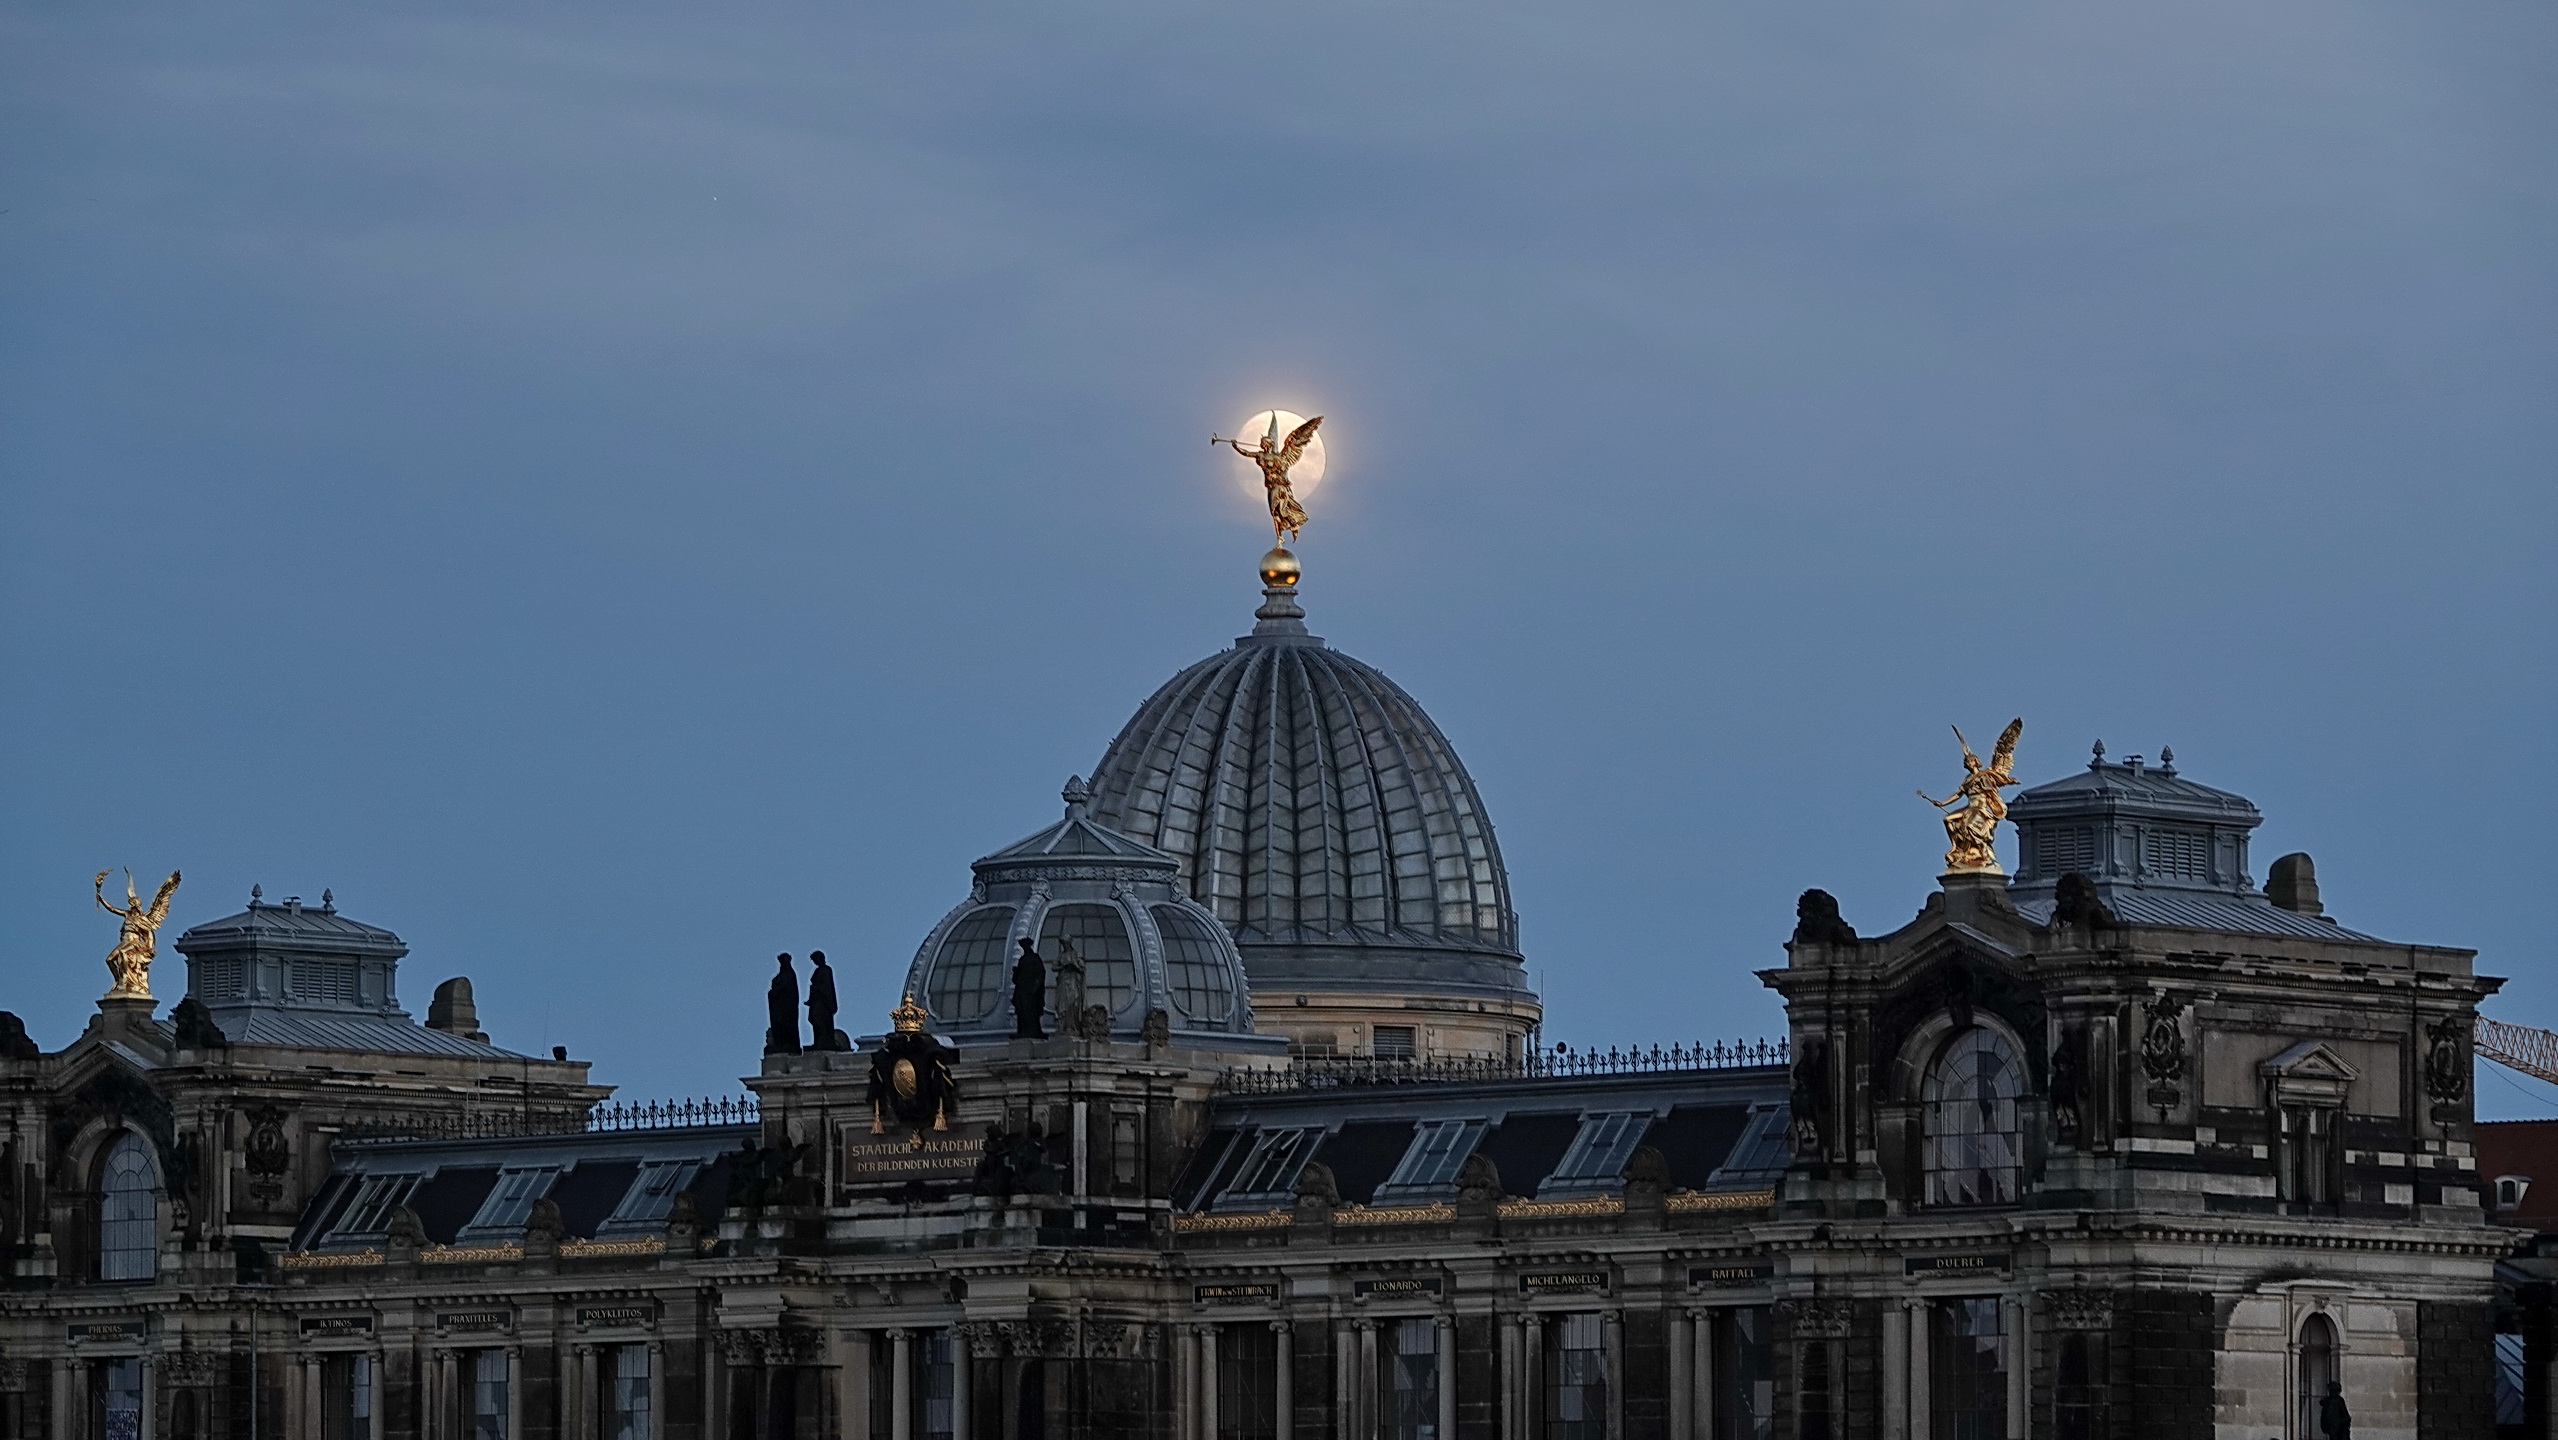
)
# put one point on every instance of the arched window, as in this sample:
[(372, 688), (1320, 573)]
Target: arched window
[(974, 965), (1974, 1145), (129, 1212), (2317, 1371), (1197, 964), (1101, 938)]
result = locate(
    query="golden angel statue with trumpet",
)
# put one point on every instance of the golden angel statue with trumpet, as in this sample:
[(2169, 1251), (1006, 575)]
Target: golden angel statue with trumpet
[(1973, 830), (130, 961), (1276, 457)]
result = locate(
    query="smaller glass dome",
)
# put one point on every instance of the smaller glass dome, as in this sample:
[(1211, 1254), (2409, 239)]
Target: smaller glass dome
[(1146, 946)]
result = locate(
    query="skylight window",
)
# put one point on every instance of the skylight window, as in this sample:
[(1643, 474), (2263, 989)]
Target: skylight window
[(510, 1202), (1277, 1155), (1599, 1152), (652, 1195), (1439, 1151), (370, 1212)]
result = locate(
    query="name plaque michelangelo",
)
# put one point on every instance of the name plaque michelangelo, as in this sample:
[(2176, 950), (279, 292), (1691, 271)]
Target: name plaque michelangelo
[(1398, 1285), (1991, 1264), (1565, 1282), (947, 1157), (1235, 1293)]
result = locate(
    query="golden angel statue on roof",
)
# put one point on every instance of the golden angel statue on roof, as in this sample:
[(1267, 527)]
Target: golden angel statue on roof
[(1277, 457), (130, 961), (1973, 829)]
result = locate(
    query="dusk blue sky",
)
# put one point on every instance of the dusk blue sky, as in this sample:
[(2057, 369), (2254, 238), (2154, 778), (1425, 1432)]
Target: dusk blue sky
[(620, 491)]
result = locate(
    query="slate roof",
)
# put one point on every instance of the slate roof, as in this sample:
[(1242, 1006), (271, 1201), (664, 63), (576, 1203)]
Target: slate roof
[(291, 926), (2189, 910), (330, 1030), (1720, 1130), (449, 1182)]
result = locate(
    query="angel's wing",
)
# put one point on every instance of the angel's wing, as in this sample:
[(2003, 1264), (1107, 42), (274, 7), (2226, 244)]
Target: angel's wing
[(160, 902), (2005, 754), (1297, 439), (1971, 762)]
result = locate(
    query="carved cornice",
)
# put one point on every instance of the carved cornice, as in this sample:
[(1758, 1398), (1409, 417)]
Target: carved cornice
[(584, 1249), (341, 1260), (1722, 1200), (1561, 1209), (1433, 1214), (1247, 1220)]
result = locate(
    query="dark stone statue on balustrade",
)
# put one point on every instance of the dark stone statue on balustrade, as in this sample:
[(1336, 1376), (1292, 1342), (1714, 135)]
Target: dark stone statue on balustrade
[(781, 1010), (822, 1034), (1030, 993)]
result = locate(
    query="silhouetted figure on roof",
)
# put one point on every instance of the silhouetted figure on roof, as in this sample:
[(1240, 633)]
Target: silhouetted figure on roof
[(822, 1034), (1030, 993), (781, 1009)]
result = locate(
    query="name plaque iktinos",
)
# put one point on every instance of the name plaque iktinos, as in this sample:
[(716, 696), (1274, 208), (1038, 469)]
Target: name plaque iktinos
[(337, 1324)]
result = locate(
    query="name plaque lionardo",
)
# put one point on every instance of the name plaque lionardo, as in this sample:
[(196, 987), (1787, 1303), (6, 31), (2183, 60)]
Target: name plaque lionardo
[(1731, 1277), (946, 1157), (1991, 1264), (337, 1324), (105, 1330), (1235, 1293), (1565, 1282), (475, 1321), (1398, 1285), (623, 1317)]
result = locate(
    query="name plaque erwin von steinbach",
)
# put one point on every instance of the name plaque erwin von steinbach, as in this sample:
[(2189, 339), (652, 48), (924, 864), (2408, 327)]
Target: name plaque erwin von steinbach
[(947, 1157)]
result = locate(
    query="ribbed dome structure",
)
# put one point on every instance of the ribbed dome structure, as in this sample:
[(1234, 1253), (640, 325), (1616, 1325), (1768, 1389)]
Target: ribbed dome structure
[(1318, 812)]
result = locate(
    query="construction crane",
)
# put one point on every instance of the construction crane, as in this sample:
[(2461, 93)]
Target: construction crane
[(2518, 1047)]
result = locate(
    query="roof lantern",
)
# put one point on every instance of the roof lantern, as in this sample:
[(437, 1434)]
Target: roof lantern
[(304, 975)]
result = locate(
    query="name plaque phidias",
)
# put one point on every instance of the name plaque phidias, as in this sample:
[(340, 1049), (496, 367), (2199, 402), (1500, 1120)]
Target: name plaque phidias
[(1399, 1285), (1236, 1293), (105, 1330), (1566, 1282), (1731, 1277), (337, 1324), (475, 1321), (617, 1316), (1954, 1264), (946, 1157)]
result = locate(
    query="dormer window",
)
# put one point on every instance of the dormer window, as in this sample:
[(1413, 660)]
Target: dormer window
[(2509, 1191), (510, 1202), (1270, 1171), (375, 1202), (1600, 1152), (1438, 1151)]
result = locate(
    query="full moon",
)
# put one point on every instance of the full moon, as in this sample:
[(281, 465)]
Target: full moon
[(1309, 469)]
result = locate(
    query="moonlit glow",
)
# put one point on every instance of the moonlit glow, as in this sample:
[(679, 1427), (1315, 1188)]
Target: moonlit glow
[(1309, 471)]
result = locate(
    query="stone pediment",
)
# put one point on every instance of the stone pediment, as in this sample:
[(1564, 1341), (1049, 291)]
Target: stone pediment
[(2310, 1060)]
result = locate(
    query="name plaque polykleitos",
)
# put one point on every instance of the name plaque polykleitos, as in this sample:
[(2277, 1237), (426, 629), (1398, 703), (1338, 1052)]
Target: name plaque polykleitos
[(1239, 1293), (1398, 1285), (1565, 1282), (947, 1157), (1731, 1277), (617, 1316), (1955, 1264), (105, 1330), (337, 1324), (474, 1321)]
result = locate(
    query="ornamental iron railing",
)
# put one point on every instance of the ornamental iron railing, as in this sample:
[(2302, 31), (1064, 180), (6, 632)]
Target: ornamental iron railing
[(1561, 1062), (494, 1123)]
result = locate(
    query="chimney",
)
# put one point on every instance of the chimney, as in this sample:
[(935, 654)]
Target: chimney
[(452, 1011), (2293, 885)]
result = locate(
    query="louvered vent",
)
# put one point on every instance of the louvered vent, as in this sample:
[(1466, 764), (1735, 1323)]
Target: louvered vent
[(2178, 854), (2060, 851), (217, 980), (324, 981)]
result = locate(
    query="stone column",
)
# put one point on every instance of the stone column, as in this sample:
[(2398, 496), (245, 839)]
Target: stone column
[(1701, 1416), (581, 1414), (1531, 1378), (1444, 1330), (1363, 1395), (1283, 1384), (1207, 1382), (2020, 1351), (1920, 1420), (63, 1421), (301, 1404), (514, 1392), (656, 1390), (1896, 1372), (901, 1385), (961, 1384), (1682, 1403), (1613, 1326), (377, 1390), (148, 1370)]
